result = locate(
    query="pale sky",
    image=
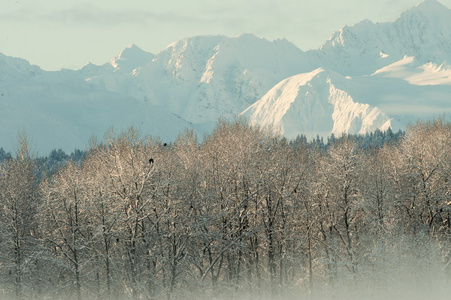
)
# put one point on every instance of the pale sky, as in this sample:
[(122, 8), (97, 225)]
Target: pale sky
[(55, 34)]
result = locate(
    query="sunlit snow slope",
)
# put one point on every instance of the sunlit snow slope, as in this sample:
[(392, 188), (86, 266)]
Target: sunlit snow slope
[(316, 103)]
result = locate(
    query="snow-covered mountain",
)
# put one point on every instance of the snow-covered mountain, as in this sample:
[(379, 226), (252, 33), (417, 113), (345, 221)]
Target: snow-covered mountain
[(204, 78), (365, 77), (316, 103), (388, 74), (323, 101), (59, 110), (423, 32)]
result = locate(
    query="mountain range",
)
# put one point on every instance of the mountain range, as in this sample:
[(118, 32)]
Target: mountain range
[(365, 77)]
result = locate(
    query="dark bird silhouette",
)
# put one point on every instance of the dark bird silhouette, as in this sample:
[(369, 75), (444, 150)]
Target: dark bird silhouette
[(151, 161), (164, 145)]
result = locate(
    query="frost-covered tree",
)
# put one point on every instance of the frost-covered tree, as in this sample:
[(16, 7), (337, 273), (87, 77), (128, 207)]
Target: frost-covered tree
[(130, 162), (64, 224), (228, 155), (19, 199), (338, 196), (104, 219)]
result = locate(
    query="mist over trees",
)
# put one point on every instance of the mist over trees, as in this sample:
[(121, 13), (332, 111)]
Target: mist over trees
[(243, 214)]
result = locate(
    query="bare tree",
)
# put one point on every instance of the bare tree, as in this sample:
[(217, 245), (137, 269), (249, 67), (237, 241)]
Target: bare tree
[(129, 163), (64, 224), (19, 199)]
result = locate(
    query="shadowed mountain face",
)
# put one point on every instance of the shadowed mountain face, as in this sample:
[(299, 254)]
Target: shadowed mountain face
[(366, 77)]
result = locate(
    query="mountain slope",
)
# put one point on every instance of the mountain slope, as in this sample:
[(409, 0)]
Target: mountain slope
[(414, 73), (66, 113), (316, 103)]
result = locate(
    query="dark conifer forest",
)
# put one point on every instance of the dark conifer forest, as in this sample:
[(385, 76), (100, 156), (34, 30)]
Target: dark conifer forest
[(244, 214)]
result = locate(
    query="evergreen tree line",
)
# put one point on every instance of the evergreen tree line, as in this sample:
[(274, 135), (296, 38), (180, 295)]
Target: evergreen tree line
[(377, 139), (244, 214)]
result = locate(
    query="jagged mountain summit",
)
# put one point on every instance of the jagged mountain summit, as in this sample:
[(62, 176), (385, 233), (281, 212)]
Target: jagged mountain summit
[(204, 78), (365, 77), (423, 32), (131, 58)]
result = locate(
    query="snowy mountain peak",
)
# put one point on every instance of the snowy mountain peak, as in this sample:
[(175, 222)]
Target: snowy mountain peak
[(248, 36), (428, 7), (423, 32), (130, 58), (429, 11), (13, 69), (208, 77)]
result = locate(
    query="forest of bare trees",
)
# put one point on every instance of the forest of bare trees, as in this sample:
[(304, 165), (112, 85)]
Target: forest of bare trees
[(243, 214)]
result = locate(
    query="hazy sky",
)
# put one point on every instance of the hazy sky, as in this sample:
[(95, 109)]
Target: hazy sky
[(55, 34)]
